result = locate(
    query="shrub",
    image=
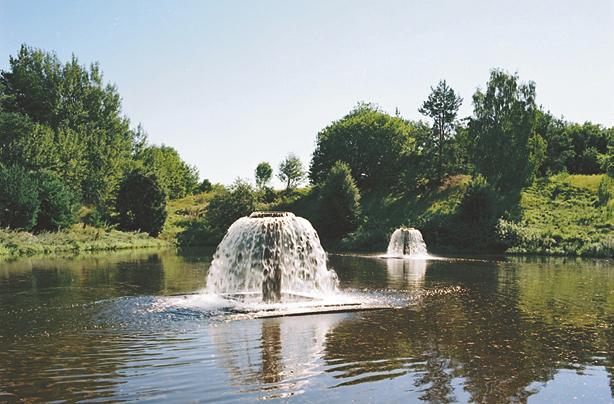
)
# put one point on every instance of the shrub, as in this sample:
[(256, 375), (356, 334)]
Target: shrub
[(267, 195), (229, 205), (58, 205), (339, 202), (205, 186), (479, 202), (605, 192), (19, 201), (141, 203)]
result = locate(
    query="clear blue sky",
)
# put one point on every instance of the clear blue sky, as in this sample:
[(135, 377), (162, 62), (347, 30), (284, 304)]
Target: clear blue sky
[(233, 83)]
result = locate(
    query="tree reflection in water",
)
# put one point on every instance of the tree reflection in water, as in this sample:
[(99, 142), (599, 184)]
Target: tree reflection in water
[(500, 335), (491, 331)]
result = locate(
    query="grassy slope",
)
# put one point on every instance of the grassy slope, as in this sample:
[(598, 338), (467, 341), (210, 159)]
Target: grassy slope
[(182, 213), (563, 215), (76, 239)]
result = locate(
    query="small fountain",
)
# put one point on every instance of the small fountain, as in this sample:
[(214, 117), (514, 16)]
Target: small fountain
[(407, 242), (274, 256)]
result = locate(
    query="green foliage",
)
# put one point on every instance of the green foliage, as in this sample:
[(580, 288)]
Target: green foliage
[(537, 153), (141, 203), (605, 192), (479, 202), (229, 205), (19, 199), (575, 148), (205, 186), (503, 122), (291, 171), (264, 172), (61, 117), (371, 142), (560, 218), (421, 170), (75, 239), (442, 106), (176, 178), (339, 203), (607, 159), (58, 207)]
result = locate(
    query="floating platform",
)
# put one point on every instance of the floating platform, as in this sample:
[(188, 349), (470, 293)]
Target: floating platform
[(291, 306)]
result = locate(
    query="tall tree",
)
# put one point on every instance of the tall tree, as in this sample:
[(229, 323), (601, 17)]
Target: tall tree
[(291, 171), (175, 176), (79, 111), (339, 203), (264, 172), (500, 130), (371, 142), (442, 106), (141, 203)]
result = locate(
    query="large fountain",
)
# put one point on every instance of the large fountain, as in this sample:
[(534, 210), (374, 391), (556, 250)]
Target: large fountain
[(273, 256), (407, 242)]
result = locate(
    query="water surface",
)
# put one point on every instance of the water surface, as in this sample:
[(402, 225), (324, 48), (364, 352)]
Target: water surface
[(106, 328)]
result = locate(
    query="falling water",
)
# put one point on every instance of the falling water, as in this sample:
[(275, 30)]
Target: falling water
[(407, 242), (272, 254)]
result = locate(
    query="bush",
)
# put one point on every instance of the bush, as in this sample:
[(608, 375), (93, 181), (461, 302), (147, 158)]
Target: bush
[(141, 203), (267, 195), (605, 192), (479, 202), (19, 200), (229, 205), (58, 205), (205, 186), (339, 202)]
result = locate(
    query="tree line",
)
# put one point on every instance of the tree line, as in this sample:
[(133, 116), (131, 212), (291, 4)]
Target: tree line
[(505, 144), (64, 141), (65, 144)]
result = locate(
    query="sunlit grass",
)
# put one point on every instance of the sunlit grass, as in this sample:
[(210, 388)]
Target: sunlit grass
[(78, 238)]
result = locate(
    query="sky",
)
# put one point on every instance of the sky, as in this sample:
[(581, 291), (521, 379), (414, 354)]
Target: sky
[(232, 83)]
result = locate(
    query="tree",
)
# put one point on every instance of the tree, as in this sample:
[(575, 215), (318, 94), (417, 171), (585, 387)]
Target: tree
[(339, 202), (75, 110), (177, 178), (479, 202), (371, 142), (607, 159), (442, 106), (229, 205), (264, 172), (19, 203), (205, 186), (291, 171), (141, 203), (58, 204), (503, 122)]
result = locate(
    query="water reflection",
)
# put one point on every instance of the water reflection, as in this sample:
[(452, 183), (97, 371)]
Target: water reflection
[(406, 272), (514, 325), (274, 357), (485, 331)]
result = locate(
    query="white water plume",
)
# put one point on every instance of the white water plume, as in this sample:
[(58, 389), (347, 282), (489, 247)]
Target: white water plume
[(272, 254), (407, 242)]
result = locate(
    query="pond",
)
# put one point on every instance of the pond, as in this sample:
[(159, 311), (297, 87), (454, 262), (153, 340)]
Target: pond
[(472, 329)]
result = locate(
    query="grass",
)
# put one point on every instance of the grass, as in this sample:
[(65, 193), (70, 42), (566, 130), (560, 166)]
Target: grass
[(569, 215), (563, 215), (182, 213), (76, 239)]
